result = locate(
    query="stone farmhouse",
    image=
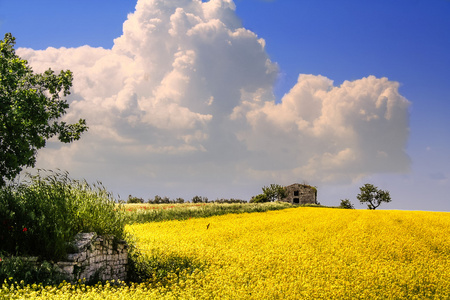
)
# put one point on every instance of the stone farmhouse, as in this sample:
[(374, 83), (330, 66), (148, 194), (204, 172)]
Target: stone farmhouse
[(300, 194)]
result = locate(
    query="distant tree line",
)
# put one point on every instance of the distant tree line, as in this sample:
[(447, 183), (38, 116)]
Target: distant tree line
[(370, 195), (166, 200)]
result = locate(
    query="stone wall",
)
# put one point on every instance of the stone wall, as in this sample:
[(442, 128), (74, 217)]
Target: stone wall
[(300, 194), (96, 258)]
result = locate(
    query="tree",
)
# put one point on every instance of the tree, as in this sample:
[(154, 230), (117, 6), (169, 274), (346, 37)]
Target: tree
[(132, 199), (30, 105), (259, 198), (274, 192), (199, 199), (373, 196), (179, 200), (345, 203)]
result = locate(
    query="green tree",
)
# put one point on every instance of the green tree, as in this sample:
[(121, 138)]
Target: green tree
[(259, 198), (199, 199), (373, 196), (179, 200), (345, 203), (30, 105), (132, 199), (274, 192)]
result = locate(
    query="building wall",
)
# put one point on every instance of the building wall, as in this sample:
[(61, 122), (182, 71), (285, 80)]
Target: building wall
[(301, 194)]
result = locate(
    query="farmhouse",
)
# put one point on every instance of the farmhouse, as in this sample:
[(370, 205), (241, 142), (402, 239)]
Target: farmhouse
[(300, 194)]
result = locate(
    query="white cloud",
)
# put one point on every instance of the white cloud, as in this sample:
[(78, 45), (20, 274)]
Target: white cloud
[(328, 133), (185, 98)]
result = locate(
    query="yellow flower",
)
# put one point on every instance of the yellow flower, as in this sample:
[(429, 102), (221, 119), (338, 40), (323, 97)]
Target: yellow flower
[(298, 253)]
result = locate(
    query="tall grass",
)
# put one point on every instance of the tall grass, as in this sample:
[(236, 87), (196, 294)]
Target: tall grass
[(41, 216), (153, 213)]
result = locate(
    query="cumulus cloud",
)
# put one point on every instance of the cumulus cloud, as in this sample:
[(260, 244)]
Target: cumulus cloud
[(185, 95), (329, 133)]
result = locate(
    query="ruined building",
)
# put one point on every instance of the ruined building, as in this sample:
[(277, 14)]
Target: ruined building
[(300, 194)]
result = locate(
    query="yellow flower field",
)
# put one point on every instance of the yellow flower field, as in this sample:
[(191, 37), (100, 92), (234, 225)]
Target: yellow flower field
[(298, 253)]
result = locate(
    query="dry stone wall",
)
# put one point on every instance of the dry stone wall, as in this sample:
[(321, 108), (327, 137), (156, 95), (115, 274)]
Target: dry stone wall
[(96, 258)]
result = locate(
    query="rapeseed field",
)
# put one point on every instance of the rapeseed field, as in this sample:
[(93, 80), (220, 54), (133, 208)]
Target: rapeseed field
[(297, 253)]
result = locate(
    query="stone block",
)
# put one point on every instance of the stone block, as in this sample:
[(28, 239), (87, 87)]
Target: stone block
[(95, 254), (83, 241), (73, 257), (66, 267)]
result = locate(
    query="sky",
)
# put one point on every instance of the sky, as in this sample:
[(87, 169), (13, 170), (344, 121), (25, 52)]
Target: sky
[(220, 98)]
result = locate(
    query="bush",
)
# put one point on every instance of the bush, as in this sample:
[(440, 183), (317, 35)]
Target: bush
[(345, 203), (159, 200), (198, 199), (259, 198), (41, 216), (20, 268), (132, 200), (229, 201)]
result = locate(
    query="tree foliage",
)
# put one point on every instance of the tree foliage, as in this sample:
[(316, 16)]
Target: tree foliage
[(261, 198), (345, 203), (373, 196), (274, 192), (30, 105), (270, 193), (132, 199), (199, 199)]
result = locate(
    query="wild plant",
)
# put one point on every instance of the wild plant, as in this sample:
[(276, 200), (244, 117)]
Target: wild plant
[(41, 215)]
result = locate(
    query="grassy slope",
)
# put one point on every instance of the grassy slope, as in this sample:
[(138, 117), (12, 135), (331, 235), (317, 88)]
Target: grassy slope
[(142, 213)]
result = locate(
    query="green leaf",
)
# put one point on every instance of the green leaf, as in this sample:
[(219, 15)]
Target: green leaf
[(30, 106)]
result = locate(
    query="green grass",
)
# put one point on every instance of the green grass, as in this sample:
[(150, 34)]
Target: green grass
[(41, 216), (142, 213)]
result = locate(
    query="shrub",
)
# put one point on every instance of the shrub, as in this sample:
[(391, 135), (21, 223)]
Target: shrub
[(41, 216), (229, 201), (132, 199), (160, 200), (259, 198), (179, 200), (345, 203), (20, 268), (198, 199)]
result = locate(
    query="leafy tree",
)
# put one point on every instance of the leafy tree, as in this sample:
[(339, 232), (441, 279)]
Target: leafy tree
[(132, 199), (274, 192), (30, 105), (179, 200), (156, 200), (345, 203), (373, 196), (259, 198), (199, 199)]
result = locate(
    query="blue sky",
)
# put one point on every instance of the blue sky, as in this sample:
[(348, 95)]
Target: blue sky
[(407, 41)]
